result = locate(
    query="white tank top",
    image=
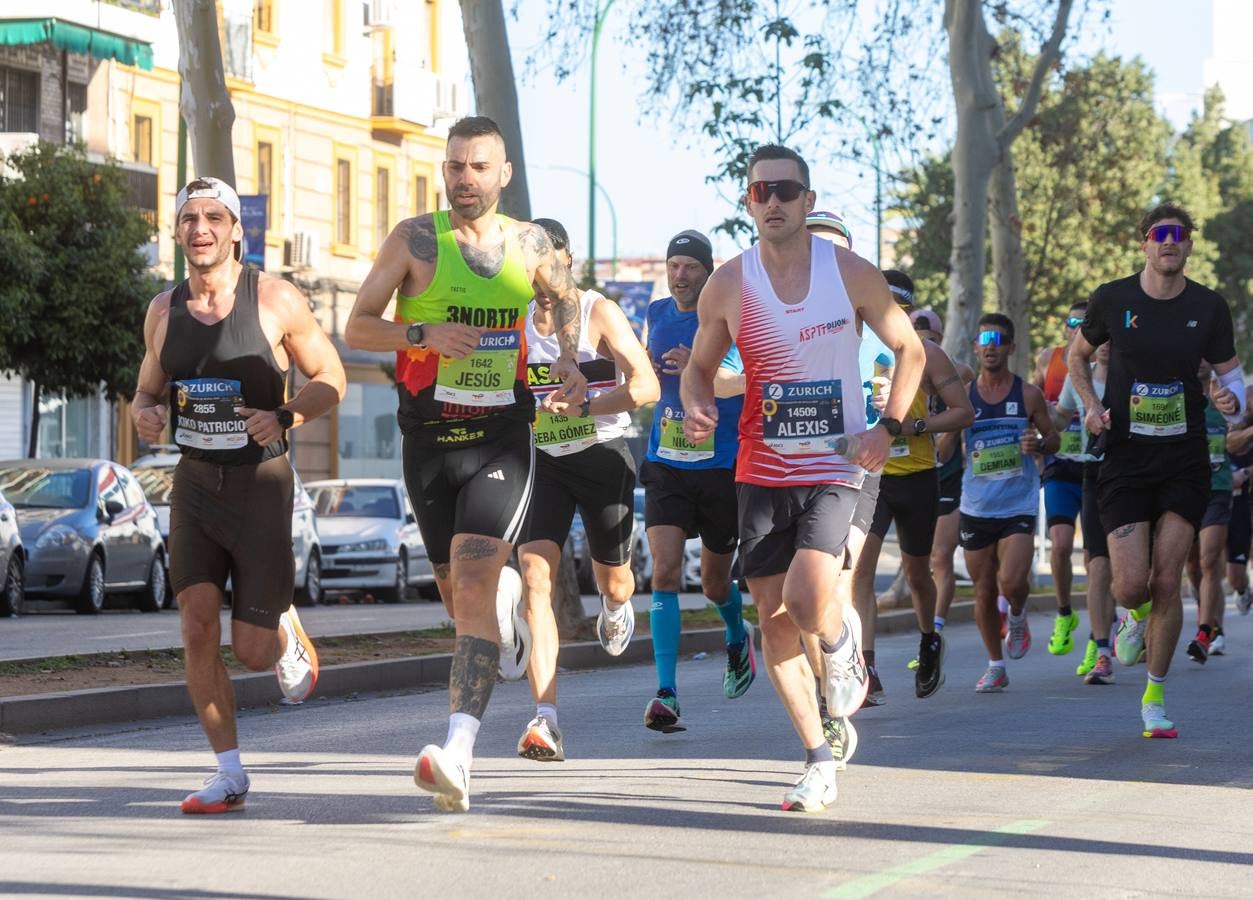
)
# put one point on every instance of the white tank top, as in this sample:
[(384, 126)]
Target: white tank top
[(562, 435), (802, 380)]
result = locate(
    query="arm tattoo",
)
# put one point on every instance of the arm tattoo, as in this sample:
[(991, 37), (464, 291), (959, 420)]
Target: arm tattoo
[(421, 238), (484, 263), (946, 382), (561, 286), (475, 662), (474, 548)]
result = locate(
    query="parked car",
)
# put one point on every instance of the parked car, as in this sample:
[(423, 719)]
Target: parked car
[(641, 552), (88, 532), (370, 538), (12, 561), (155, 473)]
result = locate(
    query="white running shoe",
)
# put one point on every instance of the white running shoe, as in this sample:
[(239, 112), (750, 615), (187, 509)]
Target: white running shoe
[(615, 634), (1130, 643), (1018, 638), (515, 636), (845, 677), (1244, 602), (447, 780), (1218, 645), (297, 668), (222, 792), (541, 741), (813, 792)]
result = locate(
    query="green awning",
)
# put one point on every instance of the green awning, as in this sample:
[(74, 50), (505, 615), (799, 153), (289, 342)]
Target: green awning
[(76, 39)]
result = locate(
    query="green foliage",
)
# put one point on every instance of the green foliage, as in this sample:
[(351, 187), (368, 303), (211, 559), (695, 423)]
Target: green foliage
[(74, 287)]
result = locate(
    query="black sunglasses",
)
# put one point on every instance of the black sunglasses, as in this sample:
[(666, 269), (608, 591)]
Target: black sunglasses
[(786, 191)]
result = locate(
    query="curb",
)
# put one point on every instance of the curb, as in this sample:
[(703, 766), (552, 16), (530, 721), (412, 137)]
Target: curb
[(37, 713)]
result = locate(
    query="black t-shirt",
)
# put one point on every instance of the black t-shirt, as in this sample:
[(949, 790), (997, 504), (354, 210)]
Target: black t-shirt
[(1156, 347)]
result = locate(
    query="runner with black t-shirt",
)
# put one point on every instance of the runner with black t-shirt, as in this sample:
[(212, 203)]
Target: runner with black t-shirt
[(1155, 474)]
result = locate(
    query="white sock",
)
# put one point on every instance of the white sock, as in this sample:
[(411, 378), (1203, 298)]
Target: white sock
[(996, 663), (939, 623), (463, 729), (1002, 603), (548, 711), (616, 615), (228, 761)]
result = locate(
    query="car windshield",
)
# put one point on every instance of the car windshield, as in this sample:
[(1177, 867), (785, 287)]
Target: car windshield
[(157, 482), (366, 501), (37, 487)]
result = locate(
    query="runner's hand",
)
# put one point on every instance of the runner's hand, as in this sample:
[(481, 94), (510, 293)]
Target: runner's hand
[(879, 398), (1029, 440), (1096, 420), (700, 421), (1226, 402), (452, 339), (674, 361), (150, 423), (573, 387), (872, 448), (262, 425)]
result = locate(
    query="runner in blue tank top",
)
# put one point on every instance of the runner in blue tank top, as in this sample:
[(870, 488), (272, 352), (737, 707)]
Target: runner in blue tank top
[(1001, 491)]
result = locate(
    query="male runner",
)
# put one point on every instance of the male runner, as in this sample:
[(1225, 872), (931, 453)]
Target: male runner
[(218, 348), (791, 304), (689, 488), (1240, 534), (465, 280), (1096, 666), (830, 227), (909, 493), (1001, 493), (1063, 485), (1154, 482), (585, 463)]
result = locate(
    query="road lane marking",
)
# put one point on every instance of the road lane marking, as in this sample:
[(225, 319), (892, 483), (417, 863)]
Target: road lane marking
[(872, 884)]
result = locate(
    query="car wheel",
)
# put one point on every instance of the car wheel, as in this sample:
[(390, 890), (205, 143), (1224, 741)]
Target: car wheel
[(91, 597), (13, 594), (310, 593), (396, 593), (152, 597), (429, 592), (637, 569)]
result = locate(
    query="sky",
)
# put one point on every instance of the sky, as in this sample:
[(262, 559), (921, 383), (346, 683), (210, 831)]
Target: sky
[(653, 167)]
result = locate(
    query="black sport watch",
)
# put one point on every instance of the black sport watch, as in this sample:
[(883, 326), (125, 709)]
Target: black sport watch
[(891, 426), (286, 419), (415, 333), (920, 426)]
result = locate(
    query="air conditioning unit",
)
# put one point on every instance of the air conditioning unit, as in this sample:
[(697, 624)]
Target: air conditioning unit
[(380, 13), (302, 250)]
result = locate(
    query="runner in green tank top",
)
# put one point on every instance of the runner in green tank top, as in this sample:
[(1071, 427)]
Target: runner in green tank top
[(464, 278)]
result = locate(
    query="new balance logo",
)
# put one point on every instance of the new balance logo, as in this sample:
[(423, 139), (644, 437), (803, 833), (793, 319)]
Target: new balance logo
[(498, 475), (1192, 323)]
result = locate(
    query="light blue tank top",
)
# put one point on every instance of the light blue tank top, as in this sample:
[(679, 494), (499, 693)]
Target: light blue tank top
[(872, 357), (1000, 481)]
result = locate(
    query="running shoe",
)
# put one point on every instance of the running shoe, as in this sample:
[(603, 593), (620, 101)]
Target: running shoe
[(1061, 642), (813, 792), (1156, 725), (1102, 672), (1018, 641), (615, 633), (1198, 647), (662, 713), (297, 668), (1130, 642), (875, 695), (222, 792), (994, 681), (845, 677), (841, 738), (912, 664), (1244, 602), (541, 741), (447, 780), (1218, 644), (929, 675), (741, 665), (1089, 659), (515, 636)]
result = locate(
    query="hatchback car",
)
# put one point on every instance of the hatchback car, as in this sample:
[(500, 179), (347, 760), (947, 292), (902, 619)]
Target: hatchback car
[(12, 561), (370, 538), (88, 532)]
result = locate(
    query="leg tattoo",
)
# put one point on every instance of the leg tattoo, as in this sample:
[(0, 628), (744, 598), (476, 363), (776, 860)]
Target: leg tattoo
[(475, 548), (475, 662)]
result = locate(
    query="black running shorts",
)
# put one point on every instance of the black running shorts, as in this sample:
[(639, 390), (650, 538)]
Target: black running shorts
[(950, 494), (775, 522), (867, 500), (1139, 482), (913, 501), (700, 501), (978, 533), (1218, 510), (482, 489), (1094, 538), (600, 483), (1240, 532)]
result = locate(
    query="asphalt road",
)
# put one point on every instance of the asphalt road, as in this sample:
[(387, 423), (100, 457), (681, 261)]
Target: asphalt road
[(1047, 789)]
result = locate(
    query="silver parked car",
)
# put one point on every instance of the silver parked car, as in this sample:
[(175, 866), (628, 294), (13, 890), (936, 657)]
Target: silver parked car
[(12, 561), (156, 474), (88, 531), (370, 538)]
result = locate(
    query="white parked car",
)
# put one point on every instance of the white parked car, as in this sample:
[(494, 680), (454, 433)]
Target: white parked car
[(155, 474), (370, 538), (12, 561)]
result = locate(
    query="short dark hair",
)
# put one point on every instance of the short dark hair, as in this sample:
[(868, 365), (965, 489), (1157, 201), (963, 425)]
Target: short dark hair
[(778, 151), (1081, 305), (474, 126), (556, 232), (901, 285), (1165, 211), (1001, 321)]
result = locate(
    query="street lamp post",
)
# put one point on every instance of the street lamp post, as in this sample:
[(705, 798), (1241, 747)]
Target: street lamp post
[(601, 13)]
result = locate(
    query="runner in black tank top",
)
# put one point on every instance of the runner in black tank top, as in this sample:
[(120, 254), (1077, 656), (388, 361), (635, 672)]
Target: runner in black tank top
[(215, 365)]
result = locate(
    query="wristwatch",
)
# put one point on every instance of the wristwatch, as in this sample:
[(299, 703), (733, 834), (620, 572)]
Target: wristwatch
[(585, 408), (891, 426), (414, 334), (286, 419), (920, 426)]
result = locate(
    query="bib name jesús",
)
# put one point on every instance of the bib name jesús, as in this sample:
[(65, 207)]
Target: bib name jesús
[(485, 377), (206, 414)]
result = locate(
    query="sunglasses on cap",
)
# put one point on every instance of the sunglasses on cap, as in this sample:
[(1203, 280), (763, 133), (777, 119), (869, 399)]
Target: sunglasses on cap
[(1159, 233), (990, 338), (1074, 321), (786, 191)]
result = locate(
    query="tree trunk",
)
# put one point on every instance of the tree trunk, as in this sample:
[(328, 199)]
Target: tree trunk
[(32, 443), (495, 93), (204, 102), (1008, 262), (568, 603)]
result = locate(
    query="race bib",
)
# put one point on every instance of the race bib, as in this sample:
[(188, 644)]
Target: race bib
[(485, 377), (1217, 437), (206, 414), (560, 435), (1157, 410), (801, 418), (1072, 440), (899, 447), (996, 456), (674, 446)]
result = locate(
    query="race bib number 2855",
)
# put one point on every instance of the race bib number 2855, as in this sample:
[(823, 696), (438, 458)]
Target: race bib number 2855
[(206, 414)]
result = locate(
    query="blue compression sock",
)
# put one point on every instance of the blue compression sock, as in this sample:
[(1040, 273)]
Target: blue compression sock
[(665, 623), (732, 612)]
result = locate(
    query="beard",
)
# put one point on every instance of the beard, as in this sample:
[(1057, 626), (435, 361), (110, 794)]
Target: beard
[(483, 201), (196, 259), (1170, 266)]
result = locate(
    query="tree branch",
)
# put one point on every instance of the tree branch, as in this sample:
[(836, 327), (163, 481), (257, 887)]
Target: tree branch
[(1049, 54)]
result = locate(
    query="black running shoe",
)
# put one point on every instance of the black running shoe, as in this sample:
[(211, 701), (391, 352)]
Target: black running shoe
[(930, 672), (874, 695)]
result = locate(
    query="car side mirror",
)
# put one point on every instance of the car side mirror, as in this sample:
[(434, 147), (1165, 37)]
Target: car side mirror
[(410, 518), (112, 509)]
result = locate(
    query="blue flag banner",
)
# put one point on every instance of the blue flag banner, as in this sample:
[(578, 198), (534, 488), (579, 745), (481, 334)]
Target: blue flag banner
[(633, 297), (253, 218)]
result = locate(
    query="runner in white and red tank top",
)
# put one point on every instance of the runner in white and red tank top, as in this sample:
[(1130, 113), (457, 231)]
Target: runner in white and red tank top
[(791, 304)]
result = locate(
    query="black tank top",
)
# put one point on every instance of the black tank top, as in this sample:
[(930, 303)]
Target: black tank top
[(216, 368)]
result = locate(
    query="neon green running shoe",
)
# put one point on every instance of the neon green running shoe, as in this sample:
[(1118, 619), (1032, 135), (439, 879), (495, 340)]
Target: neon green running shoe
[(912, 664), (1061, 642), (1089, 659)]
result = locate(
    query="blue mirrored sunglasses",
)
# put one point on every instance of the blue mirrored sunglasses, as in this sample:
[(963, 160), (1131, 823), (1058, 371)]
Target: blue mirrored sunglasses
[(995, 338), (1074, 321)]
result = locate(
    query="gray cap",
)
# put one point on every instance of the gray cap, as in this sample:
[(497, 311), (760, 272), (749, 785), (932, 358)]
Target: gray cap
[(210, 188)]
